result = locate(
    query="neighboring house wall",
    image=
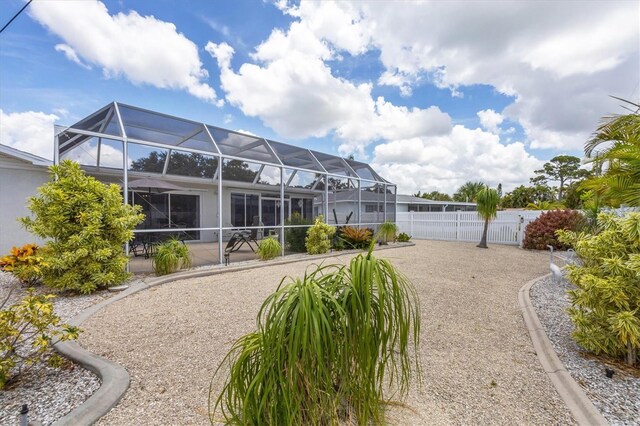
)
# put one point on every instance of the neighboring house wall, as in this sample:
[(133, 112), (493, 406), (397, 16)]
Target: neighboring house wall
[(19, 180)]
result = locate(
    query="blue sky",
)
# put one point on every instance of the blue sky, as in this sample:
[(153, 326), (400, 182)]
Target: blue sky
[(431, 93)]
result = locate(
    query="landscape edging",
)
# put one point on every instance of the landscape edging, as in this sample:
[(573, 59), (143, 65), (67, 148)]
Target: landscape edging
[(115, 378), (581, 407)]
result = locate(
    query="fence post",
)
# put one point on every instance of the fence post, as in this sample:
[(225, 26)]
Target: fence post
[(520, 230), (411, 224), (457, 226)]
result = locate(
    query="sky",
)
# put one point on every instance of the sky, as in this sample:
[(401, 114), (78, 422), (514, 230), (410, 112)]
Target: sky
[(431, 93)]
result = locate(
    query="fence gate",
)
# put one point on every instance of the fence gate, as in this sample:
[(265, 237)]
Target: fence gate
[(506, 228)]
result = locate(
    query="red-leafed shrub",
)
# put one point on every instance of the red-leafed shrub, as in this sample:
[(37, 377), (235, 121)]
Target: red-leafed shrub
[(542, 231)]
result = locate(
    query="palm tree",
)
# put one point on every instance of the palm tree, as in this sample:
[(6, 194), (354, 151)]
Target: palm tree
[(487, 199), (468, 192), (619, 139)]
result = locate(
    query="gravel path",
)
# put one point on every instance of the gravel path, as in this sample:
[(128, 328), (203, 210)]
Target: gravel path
[(51, 393), (479, 363), (618, 398)]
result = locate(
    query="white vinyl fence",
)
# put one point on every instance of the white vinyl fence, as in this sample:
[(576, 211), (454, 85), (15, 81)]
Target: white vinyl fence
[(507, 228)]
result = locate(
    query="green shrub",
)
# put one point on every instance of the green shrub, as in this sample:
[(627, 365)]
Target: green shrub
[(403, 238), (269, 248), (28, 331), (387, 232), (319, 235), (87, 224), (542, 231), (605, 307), (295, 237), (357, 238), (24, 263), (330, 348), (171, 256)]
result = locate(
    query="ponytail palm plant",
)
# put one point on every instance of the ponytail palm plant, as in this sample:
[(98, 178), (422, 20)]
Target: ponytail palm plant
[(327, 349), (487, 200)]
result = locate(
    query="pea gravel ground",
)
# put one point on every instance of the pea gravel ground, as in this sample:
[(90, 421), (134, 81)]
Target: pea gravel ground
[(479, 364)]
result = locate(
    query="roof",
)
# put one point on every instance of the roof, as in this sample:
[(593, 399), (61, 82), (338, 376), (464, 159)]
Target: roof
[(410, 199), (143, 129), (24, 156)]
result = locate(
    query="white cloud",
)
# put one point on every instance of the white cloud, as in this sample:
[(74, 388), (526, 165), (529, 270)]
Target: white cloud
[(490, 120), (560, 60), (304, 99), (28, 131), (71, 55), (143, 49), (87, 154), (443, 163)]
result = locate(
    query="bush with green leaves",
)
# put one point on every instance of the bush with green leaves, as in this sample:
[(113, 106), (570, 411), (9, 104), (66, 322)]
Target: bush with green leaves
[(295, 237), (542, 231), (319, 235), (403, 237), (269, 248), (24, 263), (170, 256), (605, 306), (330, 348), (86, 224), (28, 331), (387, 232)]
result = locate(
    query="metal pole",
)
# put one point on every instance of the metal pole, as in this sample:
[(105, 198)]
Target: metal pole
[(220, 164), (395, 205), (326, 198), (56, 153), (384, 211), (282, 210), (125, 172), (359, 202)]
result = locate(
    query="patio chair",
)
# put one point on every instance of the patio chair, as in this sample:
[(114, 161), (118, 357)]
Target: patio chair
[(235, 243), (137, 246)]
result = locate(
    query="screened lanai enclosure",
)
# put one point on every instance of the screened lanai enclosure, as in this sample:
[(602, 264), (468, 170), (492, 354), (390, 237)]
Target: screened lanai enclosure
[(219, 190)]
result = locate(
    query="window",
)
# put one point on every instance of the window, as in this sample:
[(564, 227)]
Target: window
[(374, 208)]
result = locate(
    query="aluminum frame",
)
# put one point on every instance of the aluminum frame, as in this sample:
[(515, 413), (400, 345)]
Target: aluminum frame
[(76, 136)]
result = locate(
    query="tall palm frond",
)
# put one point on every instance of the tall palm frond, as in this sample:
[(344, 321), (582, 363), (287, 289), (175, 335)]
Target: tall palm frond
[(615, 149)]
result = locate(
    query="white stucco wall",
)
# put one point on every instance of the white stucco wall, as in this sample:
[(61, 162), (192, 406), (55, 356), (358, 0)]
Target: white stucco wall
[(18, 181)]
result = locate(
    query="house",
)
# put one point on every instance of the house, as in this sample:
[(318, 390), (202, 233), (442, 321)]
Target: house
[(21, 174), (409, 203)]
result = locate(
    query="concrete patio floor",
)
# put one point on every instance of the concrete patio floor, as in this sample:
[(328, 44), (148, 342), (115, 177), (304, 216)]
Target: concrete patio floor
[(202, 254)]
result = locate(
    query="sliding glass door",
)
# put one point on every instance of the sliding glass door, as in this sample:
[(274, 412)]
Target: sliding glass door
[(175, 211)]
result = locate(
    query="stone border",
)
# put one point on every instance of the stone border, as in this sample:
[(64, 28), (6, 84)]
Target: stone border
[(581, 407), (114, 378)]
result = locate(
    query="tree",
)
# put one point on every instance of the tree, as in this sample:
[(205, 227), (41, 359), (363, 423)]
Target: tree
[(499, 189), (573, 195), (87, 223), (562, 168), (437, 196), (487, 199), (468, 192), (519, 198), (619, 139), (183, 164)]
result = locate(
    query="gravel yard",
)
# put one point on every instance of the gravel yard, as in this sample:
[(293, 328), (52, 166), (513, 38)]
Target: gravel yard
[(618, 398), (53, 392), (478, 361)]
